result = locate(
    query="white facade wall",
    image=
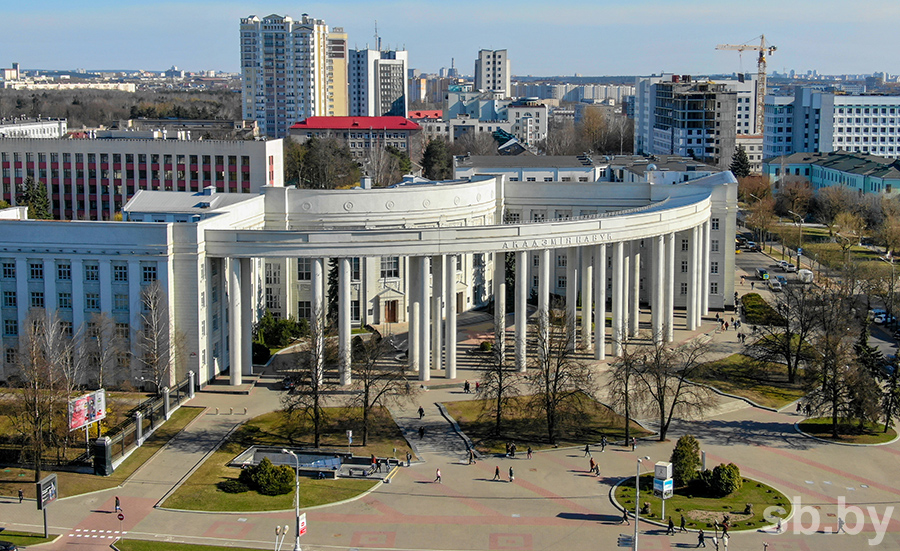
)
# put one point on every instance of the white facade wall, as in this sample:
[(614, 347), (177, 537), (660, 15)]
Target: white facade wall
[(492, 71), (27, 128), (377, 82)]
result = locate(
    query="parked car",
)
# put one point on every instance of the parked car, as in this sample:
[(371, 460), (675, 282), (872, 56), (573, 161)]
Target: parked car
[(781, 279), (7, 546), (775, 286), (882, 319), (805, 276), (288, 384), (781, 264), (789, 268), (753, 246), (762, 273)]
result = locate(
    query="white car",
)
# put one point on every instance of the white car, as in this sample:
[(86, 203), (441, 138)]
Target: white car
[(775, 286), (789, 268)]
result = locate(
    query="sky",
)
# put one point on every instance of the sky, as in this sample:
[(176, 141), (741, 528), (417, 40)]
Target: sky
[(544, 38)]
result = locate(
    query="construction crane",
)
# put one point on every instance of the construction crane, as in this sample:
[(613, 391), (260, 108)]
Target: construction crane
[(763, 50)]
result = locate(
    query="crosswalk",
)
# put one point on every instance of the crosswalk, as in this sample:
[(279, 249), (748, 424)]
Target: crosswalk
[(97, 534)]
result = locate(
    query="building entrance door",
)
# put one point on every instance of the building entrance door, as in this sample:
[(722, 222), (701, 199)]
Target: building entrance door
[(390, 311)]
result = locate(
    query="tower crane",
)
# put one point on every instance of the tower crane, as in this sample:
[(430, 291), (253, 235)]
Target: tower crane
[(763, 50)]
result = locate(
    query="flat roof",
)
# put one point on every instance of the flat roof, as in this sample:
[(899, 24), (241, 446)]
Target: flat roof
[(355, 123), (183, 201)]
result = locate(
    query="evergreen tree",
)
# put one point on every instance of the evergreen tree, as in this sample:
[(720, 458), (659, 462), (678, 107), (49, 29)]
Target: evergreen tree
[(332, 283), (436, 161), (685, 460), (33, 194), (740, 164)]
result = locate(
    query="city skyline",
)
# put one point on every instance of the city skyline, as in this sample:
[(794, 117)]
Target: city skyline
[(596, 39)]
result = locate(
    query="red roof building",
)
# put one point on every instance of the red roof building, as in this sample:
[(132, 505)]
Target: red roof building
[(361, 134), (430, 114)]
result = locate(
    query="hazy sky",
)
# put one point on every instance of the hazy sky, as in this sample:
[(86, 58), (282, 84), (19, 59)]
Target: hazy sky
[(601, 37)]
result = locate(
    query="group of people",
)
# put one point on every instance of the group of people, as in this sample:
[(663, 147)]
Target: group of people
[(512, 476)]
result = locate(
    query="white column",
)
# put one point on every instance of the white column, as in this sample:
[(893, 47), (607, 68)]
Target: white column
[(571, 296), (600, 311), (105, 269), (635, 288), (23, 297), (246, 315), (693, 276), (424, 320), (450, 321), (587, 282), (318, 312), (134, 315), (437, 311), (412, 293), (50, 287), (618, 320), (670, 287), (344, 352), (659, 295), (704, 287), (626, 290), (500, 302), (544, 296), (521, 308), (234, 321)]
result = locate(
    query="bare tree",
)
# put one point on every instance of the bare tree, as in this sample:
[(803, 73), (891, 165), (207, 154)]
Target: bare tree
[(561, 139), (105, 343), (789, 343), (561, 384), (829, 202), (307, 400), (849, 228), (622, 388), (762, 217), (155, 343), (498, 385), (476, 143), (379, 382), (663, 374)]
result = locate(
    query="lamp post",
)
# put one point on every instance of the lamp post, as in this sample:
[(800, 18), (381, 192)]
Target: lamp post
[(637, 499), (890, 259), (800, 247), (296, 497)]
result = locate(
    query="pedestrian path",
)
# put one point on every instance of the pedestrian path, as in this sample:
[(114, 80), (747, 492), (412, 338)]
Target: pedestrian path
[(433, 435)]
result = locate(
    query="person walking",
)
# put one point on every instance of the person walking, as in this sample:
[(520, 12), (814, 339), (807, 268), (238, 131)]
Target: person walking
[(118, 505), (840, 526), (671, 530), (701, 538), (466, 387), (633, 443), (725, 539), (408, 458), (683, 527), (529, 452), (437, 476), (421, 412), (742, 280), (512, 476), (625, 518), (752, 285), (21, 495), (421, 433), (587, 450), (497, 472), (593, 466), (603, 442)]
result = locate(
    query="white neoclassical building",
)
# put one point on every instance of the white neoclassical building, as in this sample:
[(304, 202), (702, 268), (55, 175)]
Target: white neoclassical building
[(418, 252)]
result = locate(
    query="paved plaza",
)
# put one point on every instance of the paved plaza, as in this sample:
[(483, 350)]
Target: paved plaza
[(553, 504)]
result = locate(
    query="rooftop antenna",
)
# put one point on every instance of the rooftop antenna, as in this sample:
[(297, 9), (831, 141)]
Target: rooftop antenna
[(377, 40)]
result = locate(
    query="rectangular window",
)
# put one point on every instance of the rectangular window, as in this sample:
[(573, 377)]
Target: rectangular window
[(715, 224), (714, 245), (684, 287), (123, 331), (9, 270), (561, 282), (354, 310), (684, 244), (92, 272), (36, 270), (92, 301), (37, 299), (273, 274), (64, 271), (215, 322), (64, 301), (355, 273), (10, 356), (390, 267), (9, 299), (148, 274), (304, 309), (684, 266), (304, 269), (273, 299), (562, 260), (120, 302), (713, 267), (120, 272), (10, 328), (714, 287)]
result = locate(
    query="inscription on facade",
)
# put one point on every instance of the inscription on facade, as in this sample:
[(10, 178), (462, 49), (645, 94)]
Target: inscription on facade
[(550, 242)]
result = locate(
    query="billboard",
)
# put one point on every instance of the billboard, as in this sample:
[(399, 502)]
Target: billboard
[(87, 409), (47, 491), (662, 488)]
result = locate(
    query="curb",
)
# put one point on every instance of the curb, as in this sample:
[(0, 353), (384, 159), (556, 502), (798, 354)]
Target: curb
[(735, 397), (850, 444)]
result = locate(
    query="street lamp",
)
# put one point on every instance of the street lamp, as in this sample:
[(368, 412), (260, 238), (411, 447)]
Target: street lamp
[(637, 498), (296, 496), (800, 247)]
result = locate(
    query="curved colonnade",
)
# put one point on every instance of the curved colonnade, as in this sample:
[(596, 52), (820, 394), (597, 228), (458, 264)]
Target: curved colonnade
[(604, 255)]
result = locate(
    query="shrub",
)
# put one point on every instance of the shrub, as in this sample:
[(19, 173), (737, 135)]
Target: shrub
[(726, 479), (232, 486), (486, 346), (685, 460), (261, 353), (758, 312), (268, 479)]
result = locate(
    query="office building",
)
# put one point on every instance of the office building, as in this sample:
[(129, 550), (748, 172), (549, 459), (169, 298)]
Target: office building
[(855, 171), (378, 83), (492, 72)]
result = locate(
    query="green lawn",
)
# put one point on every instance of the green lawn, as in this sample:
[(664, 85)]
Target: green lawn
[(701, 511), (200, 491), (764, 383), (23, 539), (70, 484), (139, 545), (849, 431), (522, 427)]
